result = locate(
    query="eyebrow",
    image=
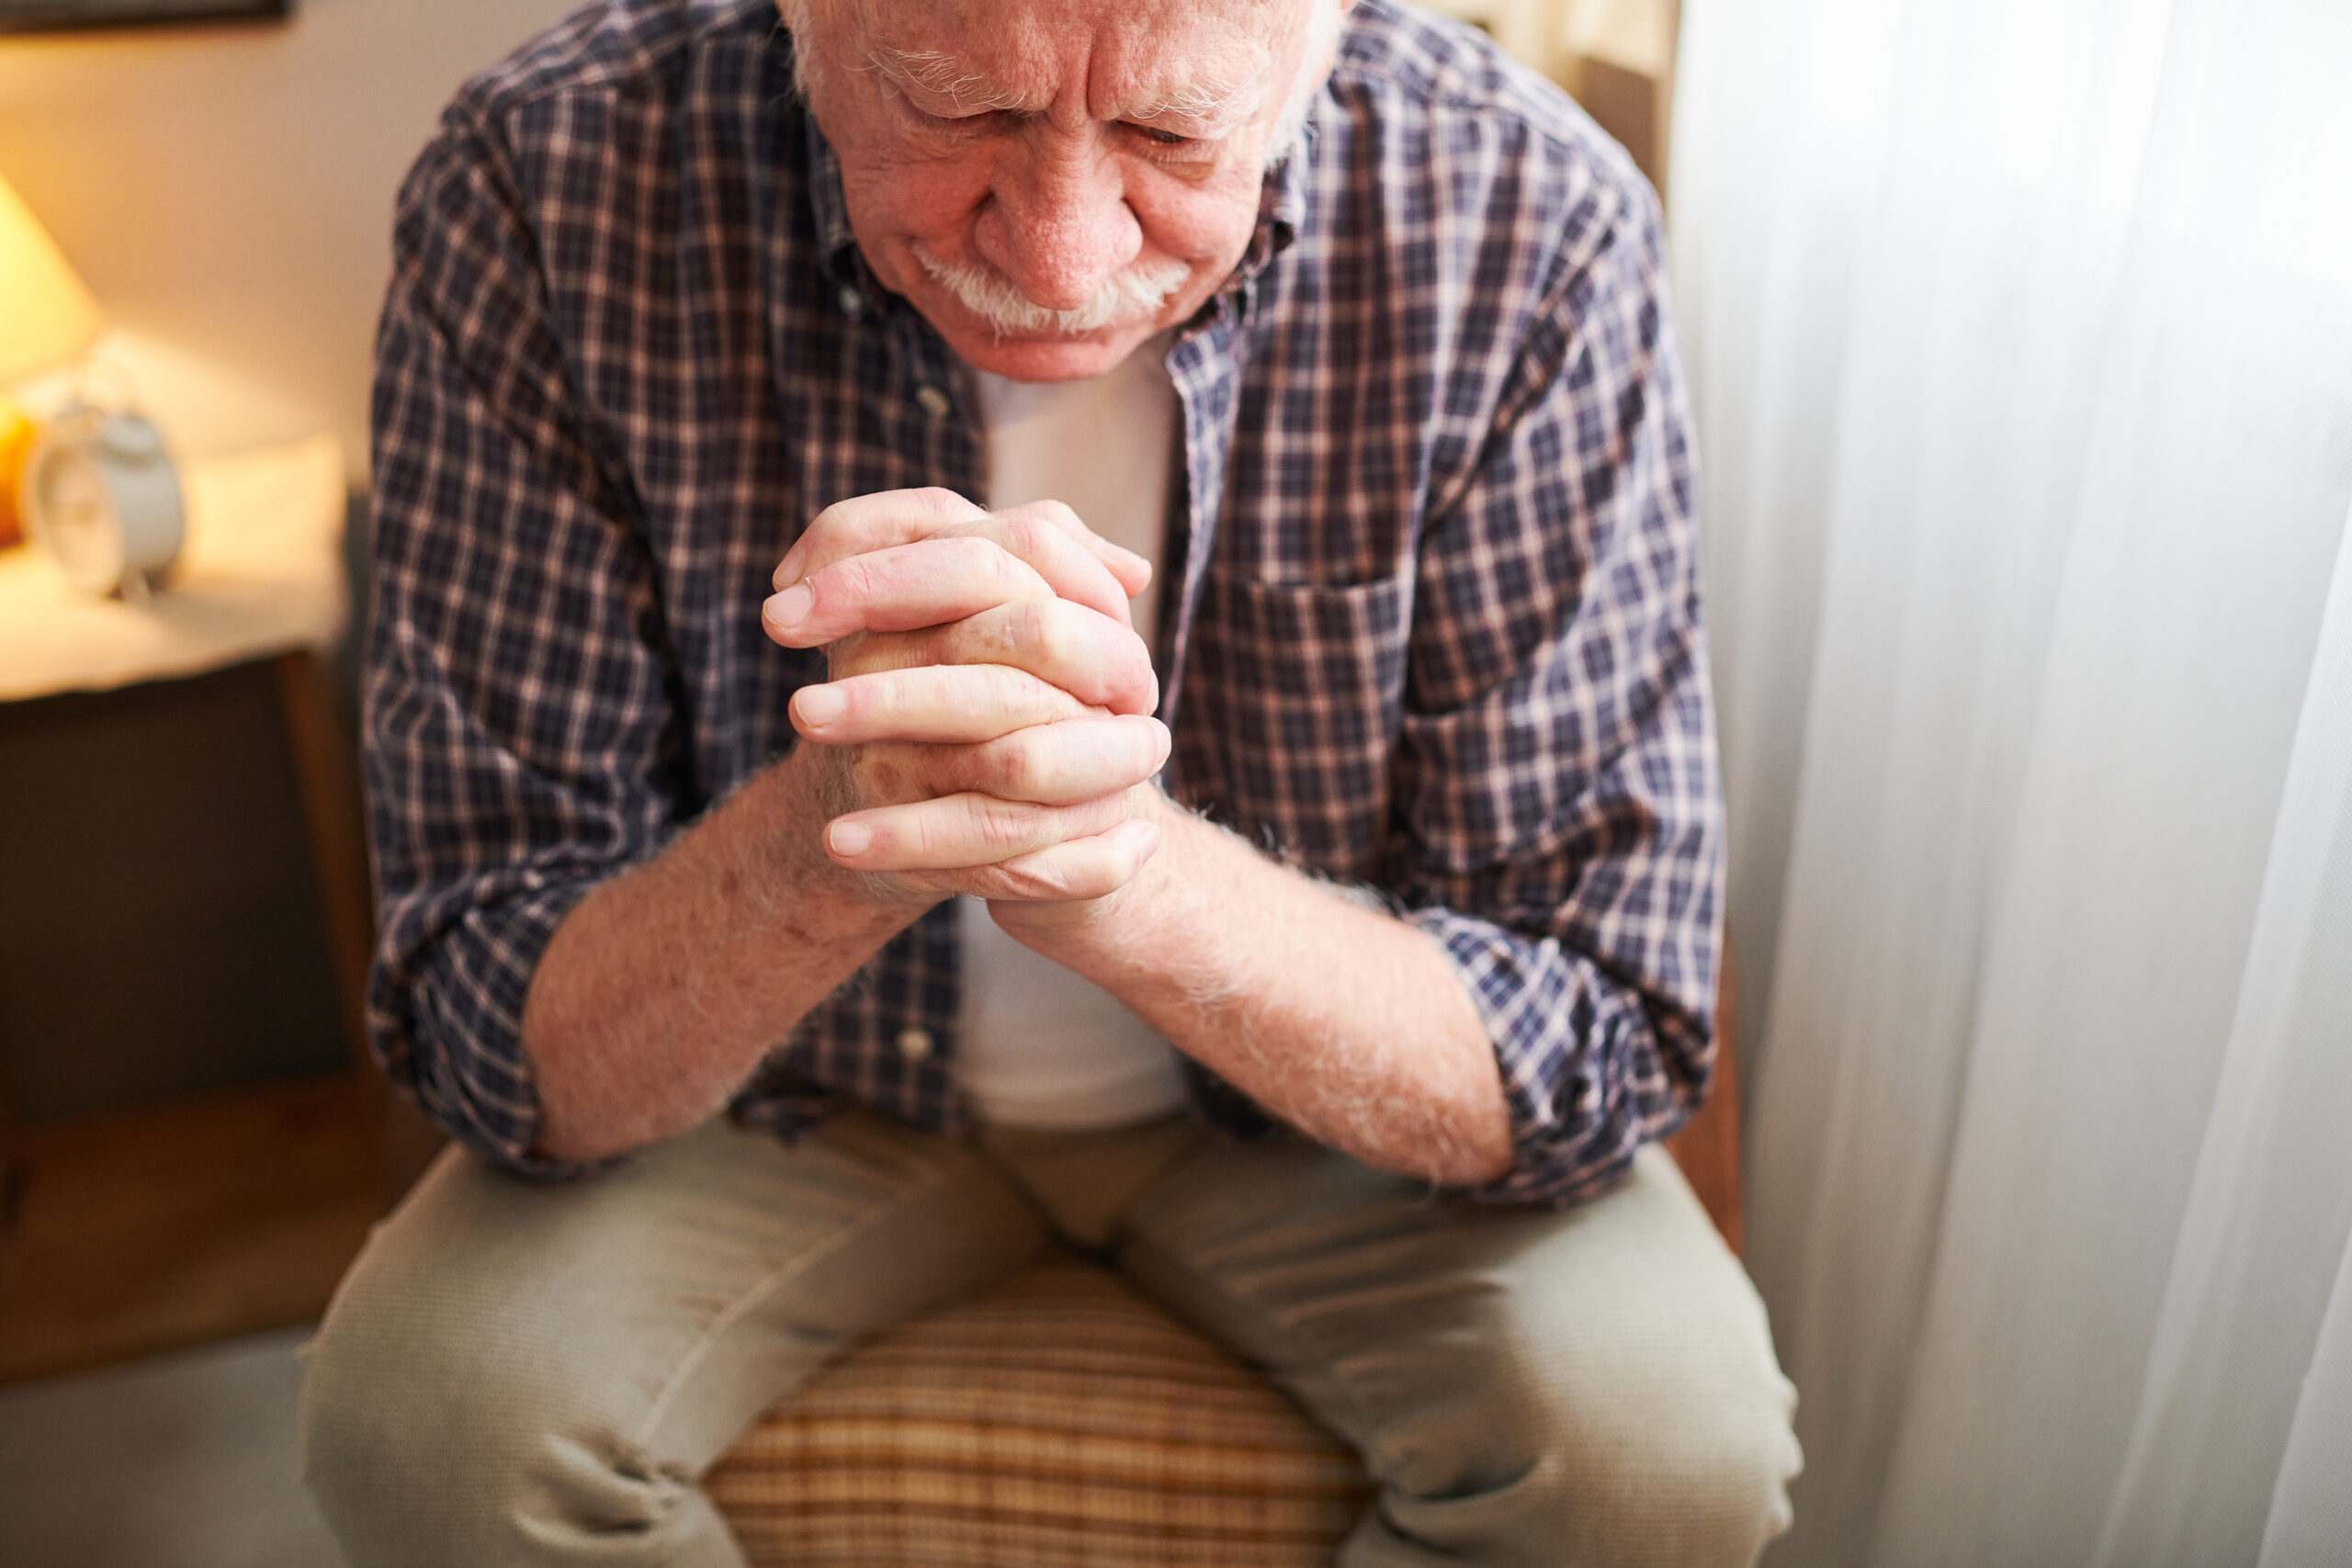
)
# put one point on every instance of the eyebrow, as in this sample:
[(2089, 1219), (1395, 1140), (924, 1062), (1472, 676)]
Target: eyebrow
[(935, 71), (1211, 102)]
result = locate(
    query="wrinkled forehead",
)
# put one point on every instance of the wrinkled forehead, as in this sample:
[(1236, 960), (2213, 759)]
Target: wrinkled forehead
[(1132, 59)]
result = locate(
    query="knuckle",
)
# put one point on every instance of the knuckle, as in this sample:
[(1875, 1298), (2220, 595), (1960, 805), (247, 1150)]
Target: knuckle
[(920, 835), (1011, 573), (1025, 536), (1022, 624), (940, 500), (865, 698), (1054, 633), (1039, 883), (1008, 692), (1128, 672), (1039, 876), (1008, 769), (1008, 826), (850, 579)]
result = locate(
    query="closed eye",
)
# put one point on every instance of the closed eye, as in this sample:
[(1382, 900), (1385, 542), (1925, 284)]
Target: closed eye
[(978, 121)]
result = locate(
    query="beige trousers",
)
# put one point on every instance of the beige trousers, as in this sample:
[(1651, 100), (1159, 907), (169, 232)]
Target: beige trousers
[(522, 1373)]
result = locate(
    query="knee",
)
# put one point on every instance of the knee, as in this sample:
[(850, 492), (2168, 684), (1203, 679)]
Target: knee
[(433, 1434), (1698, 1476), (1662, 1454), (1619, 1447)]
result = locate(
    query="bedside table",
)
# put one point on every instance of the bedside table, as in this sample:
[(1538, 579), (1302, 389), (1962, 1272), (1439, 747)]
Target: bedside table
[(222, 1210)]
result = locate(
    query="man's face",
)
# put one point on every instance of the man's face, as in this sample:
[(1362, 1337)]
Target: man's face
[(1052, 182)]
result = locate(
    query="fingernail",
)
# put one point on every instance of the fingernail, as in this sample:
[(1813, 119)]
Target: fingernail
[(789, 608), (819, 706), (849, 838), (788, 570)]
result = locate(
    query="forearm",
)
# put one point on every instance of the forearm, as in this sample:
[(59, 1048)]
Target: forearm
[(662, 991), (1338, 1018)]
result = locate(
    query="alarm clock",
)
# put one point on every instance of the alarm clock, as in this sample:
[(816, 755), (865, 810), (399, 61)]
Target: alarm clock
[(99, 494)]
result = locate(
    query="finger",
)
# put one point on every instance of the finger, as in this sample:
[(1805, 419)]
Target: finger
[(942, 703), (922, 584), (1031, 535), (1132, 570), (1059, 554), (1047, 529), (1058, 764), (865, 522), (1050, 764), (958, 831), (1093, 658), (1081, 869)]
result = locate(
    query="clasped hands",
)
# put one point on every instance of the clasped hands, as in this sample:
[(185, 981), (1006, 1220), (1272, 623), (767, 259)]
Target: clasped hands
[(987, 706)]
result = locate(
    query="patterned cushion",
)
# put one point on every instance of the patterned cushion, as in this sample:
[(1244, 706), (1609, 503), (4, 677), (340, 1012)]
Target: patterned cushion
[(1057, 1418)]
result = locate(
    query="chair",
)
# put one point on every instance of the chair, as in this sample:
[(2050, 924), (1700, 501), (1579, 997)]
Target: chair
[(1060, 1419)]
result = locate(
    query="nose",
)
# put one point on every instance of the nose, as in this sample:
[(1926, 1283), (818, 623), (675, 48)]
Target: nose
[(1059, 224)]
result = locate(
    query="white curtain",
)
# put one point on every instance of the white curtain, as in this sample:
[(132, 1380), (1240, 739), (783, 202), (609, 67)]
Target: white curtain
[(2020, 340)]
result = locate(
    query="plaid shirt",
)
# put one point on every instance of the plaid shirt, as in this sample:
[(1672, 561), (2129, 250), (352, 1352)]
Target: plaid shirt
[(1436, 627)]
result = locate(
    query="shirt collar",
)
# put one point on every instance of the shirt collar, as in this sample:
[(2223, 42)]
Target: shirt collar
[(1281, 202), (836, 243)]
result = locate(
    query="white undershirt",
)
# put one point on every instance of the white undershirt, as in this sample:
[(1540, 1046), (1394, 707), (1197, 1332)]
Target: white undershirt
[(1039, 1046)]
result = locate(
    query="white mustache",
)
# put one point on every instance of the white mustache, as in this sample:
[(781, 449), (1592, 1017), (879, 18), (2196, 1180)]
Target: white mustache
[(1139, 289)]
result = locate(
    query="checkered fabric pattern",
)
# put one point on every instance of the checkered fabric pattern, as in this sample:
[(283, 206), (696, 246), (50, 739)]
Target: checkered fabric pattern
[(1434, 624), (1057, 1420)]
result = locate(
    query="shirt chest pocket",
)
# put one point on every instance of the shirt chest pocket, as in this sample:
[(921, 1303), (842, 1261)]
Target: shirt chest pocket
[(1290, 714)]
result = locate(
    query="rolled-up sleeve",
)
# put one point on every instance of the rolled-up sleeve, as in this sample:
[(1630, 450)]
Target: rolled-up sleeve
[(1558, 784), (521, 745)]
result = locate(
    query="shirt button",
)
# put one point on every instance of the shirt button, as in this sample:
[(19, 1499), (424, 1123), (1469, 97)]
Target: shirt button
[(852, 301), (914, 1045), (934, 401)]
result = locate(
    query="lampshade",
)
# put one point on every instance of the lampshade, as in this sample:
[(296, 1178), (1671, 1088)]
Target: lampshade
[(46, 315)]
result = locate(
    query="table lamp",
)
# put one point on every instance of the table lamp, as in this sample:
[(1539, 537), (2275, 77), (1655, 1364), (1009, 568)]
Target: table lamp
[(94, 487), (46, 318)]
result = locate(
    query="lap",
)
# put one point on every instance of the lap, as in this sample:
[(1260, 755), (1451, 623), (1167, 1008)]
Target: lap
[(545, 1367)]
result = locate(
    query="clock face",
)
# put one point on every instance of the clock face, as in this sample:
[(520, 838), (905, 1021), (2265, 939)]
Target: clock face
[(75, 513), (101, 497)]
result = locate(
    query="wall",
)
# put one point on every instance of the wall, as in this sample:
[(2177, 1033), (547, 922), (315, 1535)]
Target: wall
[(1615, 56), (227, 191)]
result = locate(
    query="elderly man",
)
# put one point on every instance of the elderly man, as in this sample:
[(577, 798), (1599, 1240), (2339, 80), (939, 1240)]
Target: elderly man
[(1085, 615)]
